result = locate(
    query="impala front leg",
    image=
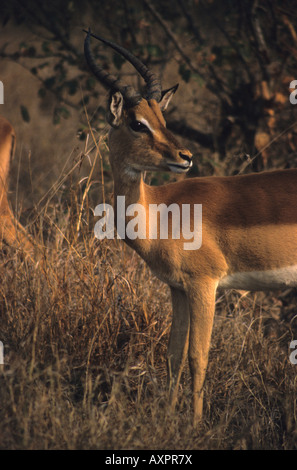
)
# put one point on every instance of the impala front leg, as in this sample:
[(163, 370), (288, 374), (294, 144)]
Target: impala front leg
[(178, 342), (202, 307)]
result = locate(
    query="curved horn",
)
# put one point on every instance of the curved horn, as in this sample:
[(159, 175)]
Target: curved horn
[(110, 81), (153, 88)]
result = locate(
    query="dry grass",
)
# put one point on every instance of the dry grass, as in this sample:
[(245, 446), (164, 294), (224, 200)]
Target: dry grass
[(85, 344)]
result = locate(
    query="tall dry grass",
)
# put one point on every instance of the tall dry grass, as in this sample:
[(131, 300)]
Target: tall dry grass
[(85, 345)]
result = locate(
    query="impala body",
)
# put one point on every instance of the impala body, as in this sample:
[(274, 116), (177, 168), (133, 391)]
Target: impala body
[(249, 222), (11, 231)]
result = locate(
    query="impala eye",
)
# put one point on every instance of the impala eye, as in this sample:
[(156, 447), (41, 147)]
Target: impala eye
[(138, 126)]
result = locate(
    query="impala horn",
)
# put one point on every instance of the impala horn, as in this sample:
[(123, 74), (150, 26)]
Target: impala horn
[(132, 97)]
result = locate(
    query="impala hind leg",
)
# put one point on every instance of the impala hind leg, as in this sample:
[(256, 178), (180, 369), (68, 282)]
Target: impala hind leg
[(178, 342), (202, 308), (12, 232)]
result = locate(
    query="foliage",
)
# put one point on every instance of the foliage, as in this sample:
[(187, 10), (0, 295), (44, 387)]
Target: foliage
[(243, 52), (85, 341)]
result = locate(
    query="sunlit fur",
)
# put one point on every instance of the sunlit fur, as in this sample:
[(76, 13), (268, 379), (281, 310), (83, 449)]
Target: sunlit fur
[(11, 230), (249, 236), (145, 151)]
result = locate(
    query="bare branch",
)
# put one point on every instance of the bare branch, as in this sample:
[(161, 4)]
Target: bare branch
[(218, 87), (191, 23), (182, 128), (232, 43), (172, 36)]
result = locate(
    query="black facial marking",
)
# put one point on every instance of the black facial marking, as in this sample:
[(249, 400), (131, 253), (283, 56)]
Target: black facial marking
[(138, 126)]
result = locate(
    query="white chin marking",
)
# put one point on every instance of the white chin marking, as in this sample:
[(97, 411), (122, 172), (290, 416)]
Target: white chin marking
[(177, 169), (131, 173), (261, 280)]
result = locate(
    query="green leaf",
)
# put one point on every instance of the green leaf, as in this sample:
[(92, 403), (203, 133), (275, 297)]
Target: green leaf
[(25, 113), (46, 47), (198, 79), (41, 92), (101, 111), (23, 45), (26, 50), (72, 86), (60, 112), (154, 50), (64, 112), (49, 82), (31, 51), (118, 61), (90, 83), (84, 101), (154, 181), (44, 64), (166, 177), (184, 72), (56, 118)]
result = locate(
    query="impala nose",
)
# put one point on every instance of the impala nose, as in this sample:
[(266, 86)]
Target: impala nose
[(187, 157)]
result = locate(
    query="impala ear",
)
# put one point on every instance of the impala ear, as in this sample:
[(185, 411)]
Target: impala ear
[(166, 97), (116, 105)]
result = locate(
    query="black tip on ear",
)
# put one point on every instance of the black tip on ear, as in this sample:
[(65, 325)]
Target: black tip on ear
[(166, 97)]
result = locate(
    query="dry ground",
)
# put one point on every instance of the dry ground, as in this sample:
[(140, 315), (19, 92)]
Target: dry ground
[(85, 342)]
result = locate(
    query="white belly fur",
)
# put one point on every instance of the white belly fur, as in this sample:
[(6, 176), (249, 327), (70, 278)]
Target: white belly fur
[(261, 280)]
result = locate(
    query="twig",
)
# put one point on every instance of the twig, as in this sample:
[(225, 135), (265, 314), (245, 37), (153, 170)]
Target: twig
[(232, 43), (182, 128), (171, 36), (54, 92), (259, 33), (266, 146), (250, 13), (192, 25), (218, 87)]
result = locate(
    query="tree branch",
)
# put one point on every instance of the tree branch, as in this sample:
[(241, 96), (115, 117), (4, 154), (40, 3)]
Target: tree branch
[(232, 43), (172, 37), (217, 88), (183, 129)]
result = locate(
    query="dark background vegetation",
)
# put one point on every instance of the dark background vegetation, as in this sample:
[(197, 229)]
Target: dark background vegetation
[(86, 343)]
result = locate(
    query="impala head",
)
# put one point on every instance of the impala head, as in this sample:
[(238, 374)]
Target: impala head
[(139, 139)]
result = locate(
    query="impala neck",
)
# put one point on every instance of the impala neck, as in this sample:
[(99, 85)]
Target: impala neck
[(129, 184), (132, 187)]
